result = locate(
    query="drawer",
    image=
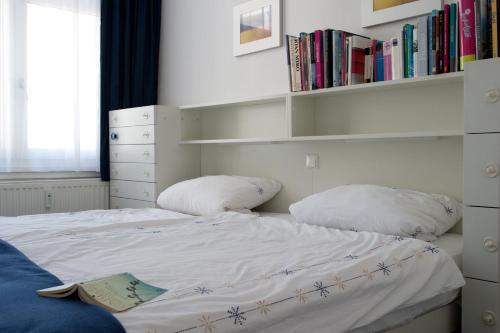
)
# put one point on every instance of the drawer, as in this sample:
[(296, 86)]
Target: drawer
[(140, 172), (119, 203), (132, 153), (133, 117), (482, 170), (480, 307), (132, 135), (481, 234), (482, 96), (133, 190)]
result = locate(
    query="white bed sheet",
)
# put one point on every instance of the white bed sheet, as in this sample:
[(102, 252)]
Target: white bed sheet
[(239, 273)]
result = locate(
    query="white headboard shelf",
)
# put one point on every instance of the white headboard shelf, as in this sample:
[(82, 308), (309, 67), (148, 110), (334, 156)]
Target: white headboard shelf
[(419, 108)]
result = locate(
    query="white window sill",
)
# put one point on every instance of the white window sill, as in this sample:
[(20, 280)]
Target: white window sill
[(47, 175)]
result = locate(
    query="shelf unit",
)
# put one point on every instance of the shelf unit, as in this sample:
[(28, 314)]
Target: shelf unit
[(418, 108)]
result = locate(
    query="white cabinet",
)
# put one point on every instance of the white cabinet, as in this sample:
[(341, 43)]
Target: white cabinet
[(481, 223), (145, 156), (482, 96)]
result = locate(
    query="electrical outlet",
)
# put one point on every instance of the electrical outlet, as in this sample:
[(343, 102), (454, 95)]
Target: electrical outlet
[(312, 161), (49, 199)]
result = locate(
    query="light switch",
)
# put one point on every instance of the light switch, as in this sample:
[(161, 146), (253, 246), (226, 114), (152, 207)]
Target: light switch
[(312, 161)]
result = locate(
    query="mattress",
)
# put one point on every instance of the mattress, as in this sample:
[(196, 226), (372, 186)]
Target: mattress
[(236, 272)]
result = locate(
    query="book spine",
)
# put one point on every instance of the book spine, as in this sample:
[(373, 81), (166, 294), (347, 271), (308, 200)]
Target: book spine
[(453, 37), (477, 27), (467, 32), (485, 29), (415, 52), (311, 82), (409, 50), (343, 70), (368, 65), (374, 55), (446, 52), (380, 61), (297, 64), (318, 46), (395, 58), (289, 53), (337, 55), (495, 27), (327, 56), (429, 45), (422, 47), (401, 55), (435, 43), (441, 42), (303, 60), (387, 51)]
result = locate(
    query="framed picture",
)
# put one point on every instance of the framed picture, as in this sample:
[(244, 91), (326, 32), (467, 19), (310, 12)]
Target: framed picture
[(383, 11), (256, 26)]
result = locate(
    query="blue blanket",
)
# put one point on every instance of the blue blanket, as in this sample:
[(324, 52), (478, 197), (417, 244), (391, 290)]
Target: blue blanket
[(22, 310)]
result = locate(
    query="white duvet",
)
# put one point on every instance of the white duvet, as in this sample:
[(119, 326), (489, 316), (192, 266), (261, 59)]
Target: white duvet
[(238, 273)]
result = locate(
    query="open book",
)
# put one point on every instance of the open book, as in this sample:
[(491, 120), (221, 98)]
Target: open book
[(115, 293)]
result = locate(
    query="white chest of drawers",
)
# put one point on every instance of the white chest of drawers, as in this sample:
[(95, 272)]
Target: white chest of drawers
[(145, 156), (481, 225)]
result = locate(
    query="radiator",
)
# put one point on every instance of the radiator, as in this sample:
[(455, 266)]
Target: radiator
[(52, 196)]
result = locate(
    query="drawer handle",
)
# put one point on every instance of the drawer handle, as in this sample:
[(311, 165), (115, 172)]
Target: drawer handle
[(493, 95), (489, 318), (492, 170), (145, 115), (490, 244), (114, 136), (146, 134)]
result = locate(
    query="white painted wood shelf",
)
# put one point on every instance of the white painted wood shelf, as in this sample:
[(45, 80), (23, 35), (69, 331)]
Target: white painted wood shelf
[(410, 109)]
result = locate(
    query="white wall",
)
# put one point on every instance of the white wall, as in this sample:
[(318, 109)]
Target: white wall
[(196, 59)]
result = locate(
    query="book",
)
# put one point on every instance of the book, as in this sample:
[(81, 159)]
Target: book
[(304, 68), (453, 37), (441, 41), (422, 47), (311, 62), (446, 51), (337, 58), (374, 54), (356, 59), (387, 50), (379, 59), (344, 61), (485, 30), (396, 58), (435, 43), (495, 28), (289, 62), (415, 52), (409, 50), (467, 31), (318, 48), (114, 293), (368, 65), (328, 58), (294, 60)]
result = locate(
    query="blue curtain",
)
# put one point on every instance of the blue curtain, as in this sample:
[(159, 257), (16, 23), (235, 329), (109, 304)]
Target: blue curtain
[(130, 43)]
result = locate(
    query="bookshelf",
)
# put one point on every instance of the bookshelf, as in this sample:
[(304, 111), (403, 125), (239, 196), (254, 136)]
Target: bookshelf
[(409, 109)]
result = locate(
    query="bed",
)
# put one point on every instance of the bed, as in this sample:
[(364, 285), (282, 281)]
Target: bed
[(246, 273)]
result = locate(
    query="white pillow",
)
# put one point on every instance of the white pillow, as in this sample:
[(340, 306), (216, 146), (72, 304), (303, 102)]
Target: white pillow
[(380, 209), (214, 194)]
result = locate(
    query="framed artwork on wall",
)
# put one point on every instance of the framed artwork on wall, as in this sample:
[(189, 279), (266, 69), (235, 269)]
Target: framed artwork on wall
[(376, 12), (256, 26)]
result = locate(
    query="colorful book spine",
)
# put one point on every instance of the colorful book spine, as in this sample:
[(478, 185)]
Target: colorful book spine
[(415, 52), (311, 62), (328, 58), (453, 37), (422, 47), (495, 28), (318, 46), (337, 58), (429, 45), (441, 41), (467, 31), (446, 52), (380, 61), (303, 60), (409, 50), (435, 42), (368, 65), (387, 51), (374, 53)]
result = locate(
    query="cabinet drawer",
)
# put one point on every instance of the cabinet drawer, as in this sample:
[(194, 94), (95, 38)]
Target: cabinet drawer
[(133, 190), (482, 170), (481, 232), (141, 172), (482, 96), (132, 153), (132, 117), (132, 135), (480, 307), (119, 203)]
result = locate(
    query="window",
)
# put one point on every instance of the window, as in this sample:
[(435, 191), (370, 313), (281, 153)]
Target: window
[(49, 85)]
